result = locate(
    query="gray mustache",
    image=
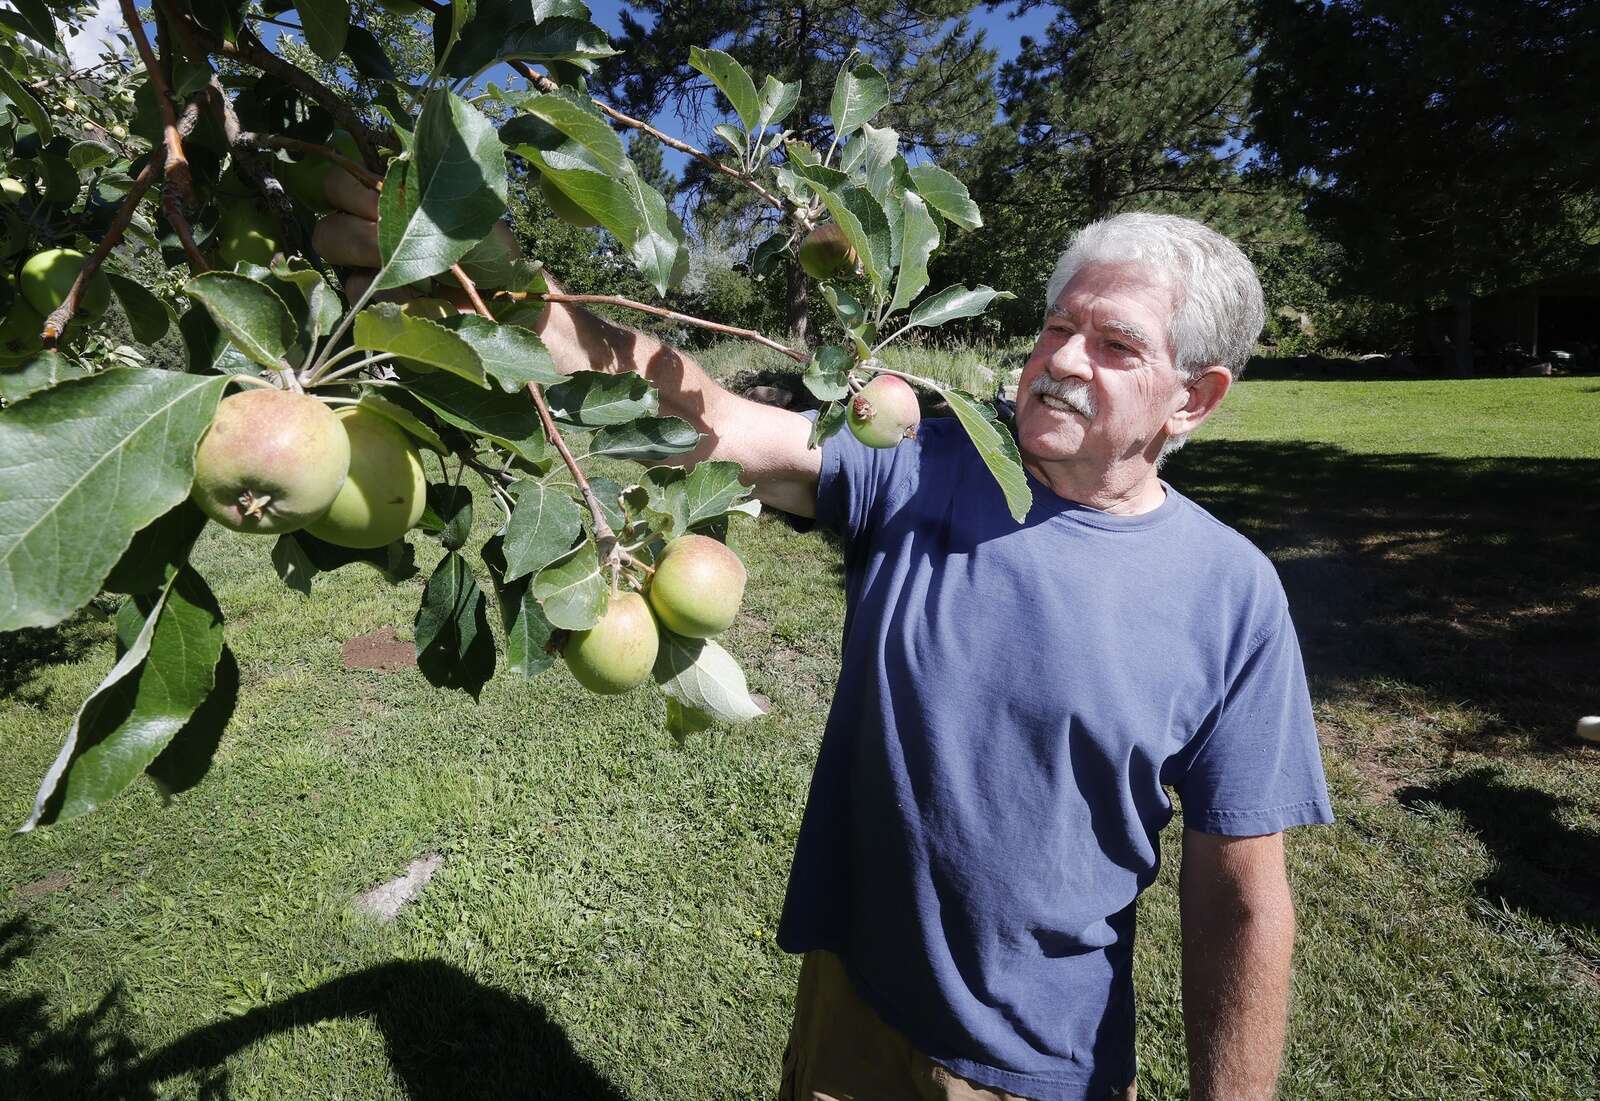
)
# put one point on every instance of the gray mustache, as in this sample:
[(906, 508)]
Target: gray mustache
[(1074, 392)]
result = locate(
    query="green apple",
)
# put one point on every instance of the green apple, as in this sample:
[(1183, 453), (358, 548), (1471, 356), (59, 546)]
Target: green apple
[(697, 586), (246, 233), (385, 492), (617, 653), (47, 277), (271, 462)]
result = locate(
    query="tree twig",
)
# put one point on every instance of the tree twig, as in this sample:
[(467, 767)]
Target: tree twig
[(177, 186), (674, 315), (604, 537), (250, 51), (780, 204), (56, 323)]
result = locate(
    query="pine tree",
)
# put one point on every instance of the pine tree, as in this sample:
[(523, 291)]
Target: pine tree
[(1122, 104), (1451, 146)]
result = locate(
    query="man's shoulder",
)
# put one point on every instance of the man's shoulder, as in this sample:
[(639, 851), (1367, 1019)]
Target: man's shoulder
[(1224, 557)]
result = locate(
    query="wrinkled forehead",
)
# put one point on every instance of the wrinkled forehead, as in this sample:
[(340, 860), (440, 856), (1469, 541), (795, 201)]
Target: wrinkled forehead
[(1131, 299)]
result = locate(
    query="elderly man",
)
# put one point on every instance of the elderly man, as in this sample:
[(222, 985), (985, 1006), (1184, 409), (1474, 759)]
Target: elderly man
[(1016, 699)]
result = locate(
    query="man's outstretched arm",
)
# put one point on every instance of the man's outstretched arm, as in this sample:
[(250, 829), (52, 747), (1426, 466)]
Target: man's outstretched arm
[(1238, 938), (769, 443)]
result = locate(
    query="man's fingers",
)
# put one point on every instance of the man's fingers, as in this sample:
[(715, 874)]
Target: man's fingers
[(349, 194), (356, 284), (347, 241)]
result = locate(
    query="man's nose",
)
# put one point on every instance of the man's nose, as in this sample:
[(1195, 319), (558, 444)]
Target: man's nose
[(1071, 359)]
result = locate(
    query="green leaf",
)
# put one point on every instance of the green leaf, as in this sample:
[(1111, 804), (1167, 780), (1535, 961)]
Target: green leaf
[(449, 514), (997, 449), (764, 257), (859, 94), (846, 307), (777, 100), (366, 54), (870, 151), (24, 101), (646, 440), (33, 19), (508, 419), (445, 198), (325, 23), (188, 756), (828, 372), (865, 227), (90, 154), (255, 318), (541, 529), (300, 286), (571, 590), (128, 458), (148, 316), (830, 418), (513, 355), (577, 117), (732, 135), (820, 174), (918, 238), (731, 80), (528, 632), (405, 419), (946, 194), (386, 327), (801, 155), (704, 678), (455, 648), (158, 550), (209, 349), (954, 302), (300, 556), (659, 249), (680, 501), (39, 372), (488, 39), (593, 399), (151, 692)]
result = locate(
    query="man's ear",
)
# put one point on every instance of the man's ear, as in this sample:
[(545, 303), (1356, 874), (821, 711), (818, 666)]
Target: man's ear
[(1201, 396)]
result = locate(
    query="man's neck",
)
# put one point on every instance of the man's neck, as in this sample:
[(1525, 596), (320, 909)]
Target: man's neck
[(1119, 492)]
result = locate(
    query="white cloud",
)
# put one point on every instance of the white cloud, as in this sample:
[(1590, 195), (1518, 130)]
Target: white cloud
[(97, 34)]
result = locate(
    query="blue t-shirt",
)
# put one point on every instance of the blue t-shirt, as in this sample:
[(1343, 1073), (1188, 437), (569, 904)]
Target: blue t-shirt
[(1012, 702)]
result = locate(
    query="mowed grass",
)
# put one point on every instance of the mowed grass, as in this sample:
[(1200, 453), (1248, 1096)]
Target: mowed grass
[(602, 924)]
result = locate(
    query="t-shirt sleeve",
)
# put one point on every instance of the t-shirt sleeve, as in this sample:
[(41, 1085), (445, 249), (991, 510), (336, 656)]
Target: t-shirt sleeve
[(856, 482), (1258, 769)]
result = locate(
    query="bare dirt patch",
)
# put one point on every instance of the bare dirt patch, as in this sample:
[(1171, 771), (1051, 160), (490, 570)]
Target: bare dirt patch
[(381, 651), (55, 881)]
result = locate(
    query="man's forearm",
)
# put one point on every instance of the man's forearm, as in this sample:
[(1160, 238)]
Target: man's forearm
[(1236, 968), (580, 341)]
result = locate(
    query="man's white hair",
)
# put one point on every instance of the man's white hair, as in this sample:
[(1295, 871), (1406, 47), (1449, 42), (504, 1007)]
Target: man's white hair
[(1220, 309)]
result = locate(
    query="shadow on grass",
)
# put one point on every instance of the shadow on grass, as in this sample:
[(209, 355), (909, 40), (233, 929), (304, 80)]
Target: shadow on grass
[(24, 652), (1543, 866), (1474, 579), (80, 1057), (448, 1036)]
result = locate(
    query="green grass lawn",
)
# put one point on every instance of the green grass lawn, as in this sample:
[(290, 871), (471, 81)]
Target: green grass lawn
[(602, 924)]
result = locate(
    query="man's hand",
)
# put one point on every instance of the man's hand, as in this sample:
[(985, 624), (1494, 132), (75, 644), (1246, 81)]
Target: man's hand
[(1238, 937), (769, 443)]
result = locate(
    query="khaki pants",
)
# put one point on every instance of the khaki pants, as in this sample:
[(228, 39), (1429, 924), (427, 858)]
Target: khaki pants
[(841, 1050)]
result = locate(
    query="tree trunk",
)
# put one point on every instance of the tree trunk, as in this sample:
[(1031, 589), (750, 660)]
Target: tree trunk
[(799, 306), (1461, 337)]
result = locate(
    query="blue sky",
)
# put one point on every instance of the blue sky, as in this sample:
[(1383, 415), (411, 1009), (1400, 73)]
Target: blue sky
[(1001, 33)]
